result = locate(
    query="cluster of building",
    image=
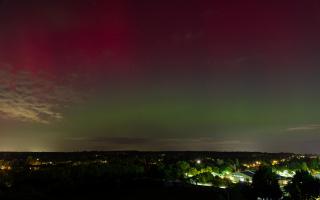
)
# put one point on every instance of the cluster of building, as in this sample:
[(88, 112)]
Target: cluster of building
[(245, 176)]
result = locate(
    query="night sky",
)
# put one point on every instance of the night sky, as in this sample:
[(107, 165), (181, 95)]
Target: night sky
[(160, 75)]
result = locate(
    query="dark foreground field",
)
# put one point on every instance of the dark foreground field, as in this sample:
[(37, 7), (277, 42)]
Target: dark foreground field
[(134, 190), (158, 175)]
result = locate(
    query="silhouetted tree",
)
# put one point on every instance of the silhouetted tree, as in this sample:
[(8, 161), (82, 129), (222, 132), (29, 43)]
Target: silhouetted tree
[(205, 177), (182, 168), (303, 186), (265, 184), (314, 164)]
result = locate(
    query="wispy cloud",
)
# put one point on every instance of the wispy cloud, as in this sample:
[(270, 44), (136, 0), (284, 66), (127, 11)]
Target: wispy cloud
[(31, 98), (307, 127)]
